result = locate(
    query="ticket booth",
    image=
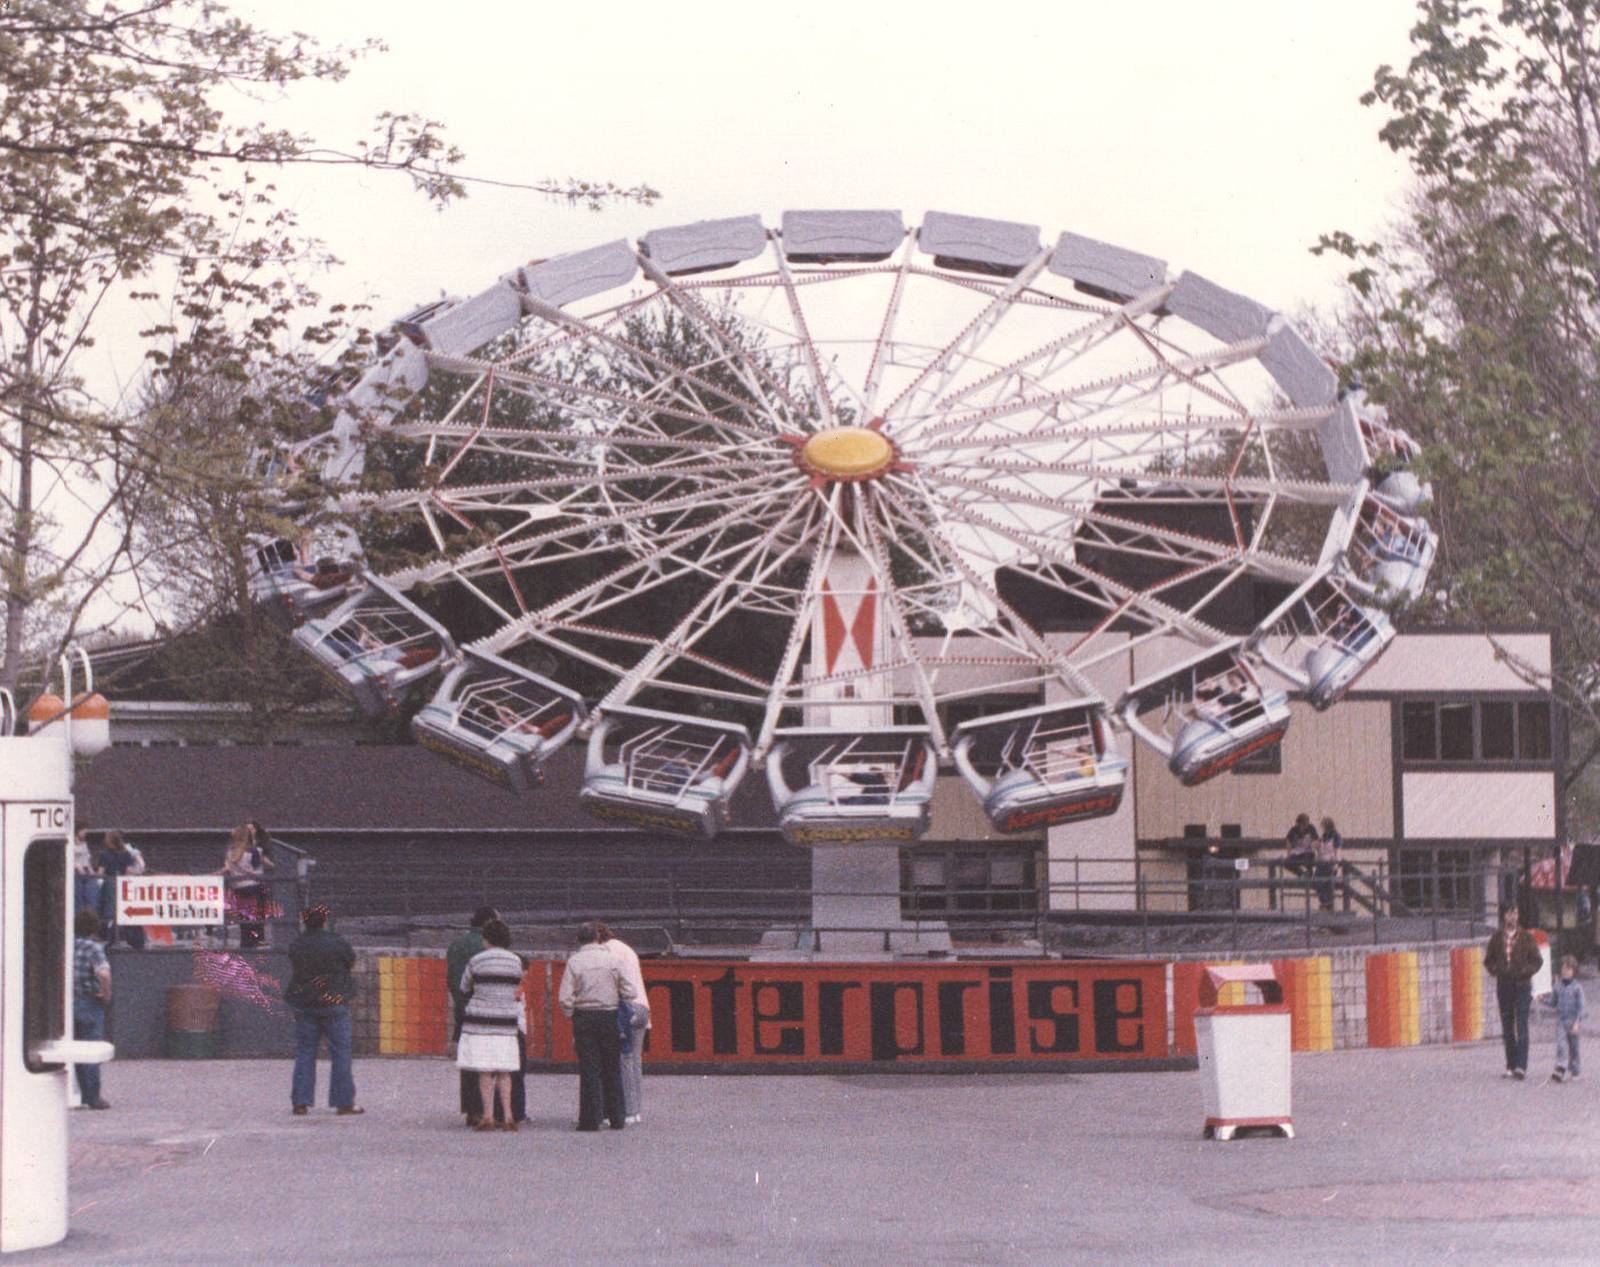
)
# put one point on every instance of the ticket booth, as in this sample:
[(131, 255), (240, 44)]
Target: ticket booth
[(36, 989)]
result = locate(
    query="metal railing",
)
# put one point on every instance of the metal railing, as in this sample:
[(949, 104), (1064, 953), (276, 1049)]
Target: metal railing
[(1145, 907)]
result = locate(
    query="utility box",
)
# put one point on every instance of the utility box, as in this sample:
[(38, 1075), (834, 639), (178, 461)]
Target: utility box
[(36, 1043), (1244, 1054)]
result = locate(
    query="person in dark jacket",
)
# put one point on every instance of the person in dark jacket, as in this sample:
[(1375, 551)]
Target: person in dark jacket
[(118, 858), (320, 990), (1511, 958), (1299, 846)]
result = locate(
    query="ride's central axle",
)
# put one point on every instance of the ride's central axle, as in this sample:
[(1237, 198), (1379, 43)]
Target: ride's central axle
[(846, 453)]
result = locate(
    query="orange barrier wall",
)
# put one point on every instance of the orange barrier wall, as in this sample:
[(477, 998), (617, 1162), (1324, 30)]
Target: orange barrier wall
[(1394, 1013), (1307, 990), (413, 1006), (1466, 994), (758, 1013)]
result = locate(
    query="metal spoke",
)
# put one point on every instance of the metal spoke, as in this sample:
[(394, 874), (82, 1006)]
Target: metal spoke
[(634, 482)]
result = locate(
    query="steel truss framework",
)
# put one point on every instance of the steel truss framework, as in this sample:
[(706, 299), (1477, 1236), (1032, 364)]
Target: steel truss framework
[(610, 456)]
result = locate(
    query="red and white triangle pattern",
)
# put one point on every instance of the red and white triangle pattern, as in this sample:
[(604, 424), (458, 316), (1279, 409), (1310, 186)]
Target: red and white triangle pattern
[(849, 624)]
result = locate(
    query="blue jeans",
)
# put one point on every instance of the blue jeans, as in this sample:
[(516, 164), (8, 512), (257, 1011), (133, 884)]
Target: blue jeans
[(88, 1021), (1515, 998), (1566, 1048), (1324, 872), (86, 892), (311, 1026)]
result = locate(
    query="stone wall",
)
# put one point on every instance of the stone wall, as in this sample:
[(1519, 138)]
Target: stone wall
[(1367, 996)]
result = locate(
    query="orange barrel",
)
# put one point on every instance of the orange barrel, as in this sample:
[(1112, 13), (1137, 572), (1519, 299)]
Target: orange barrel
[(193, 1029)]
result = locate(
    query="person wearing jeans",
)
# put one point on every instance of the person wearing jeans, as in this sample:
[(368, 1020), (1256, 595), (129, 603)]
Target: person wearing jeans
[(311, 1026), (91, 991), (633, 1019), (1511, 958), (319, 991)]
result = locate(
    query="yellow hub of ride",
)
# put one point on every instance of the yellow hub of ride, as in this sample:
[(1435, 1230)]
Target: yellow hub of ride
[(847, 452)]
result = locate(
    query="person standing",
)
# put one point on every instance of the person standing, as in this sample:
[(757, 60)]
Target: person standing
[(117, 859), (85, 875), (261, 854), (1325, 853), (633, 1019), (456, 957), (1566, 996), (1511, 958), (591, 987), (91, 991), (244, 874), (319, 991), (1299, 846), (492, 984)]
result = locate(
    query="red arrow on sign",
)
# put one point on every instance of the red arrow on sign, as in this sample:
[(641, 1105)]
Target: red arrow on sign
[(140, 910)]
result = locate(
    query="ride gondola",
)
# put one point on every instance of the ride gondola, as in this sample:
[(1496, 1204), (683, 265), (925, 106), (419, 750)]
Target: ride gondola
[(1043, 766)]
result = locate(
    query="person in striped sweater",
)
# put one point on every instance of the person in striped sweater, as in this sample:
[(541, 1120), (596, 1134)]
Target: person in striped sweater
[(492, 984)]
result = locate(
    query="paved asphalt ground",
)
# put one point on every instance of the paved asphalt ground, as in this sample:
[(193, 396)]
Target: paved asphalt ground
[(1422, 1155)]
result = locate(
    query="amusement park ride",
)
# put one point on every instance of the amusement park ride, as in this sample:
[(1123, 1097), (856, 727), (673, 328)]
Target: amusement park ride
[(36, 939), (744, 496)]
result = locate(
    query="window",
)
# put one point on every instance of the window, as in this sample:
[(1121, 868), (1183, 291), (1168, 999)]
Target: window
[(1437, 879), (1533, 731), (1475, 730), (1455, 732), (1419, 731), (44, 947), (953, 880), (1498, 730), (926, 890)]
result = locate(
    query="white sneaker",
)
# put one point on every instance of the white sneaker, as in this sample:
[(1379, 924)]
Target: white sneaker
[(1519, 1074), (1509, 1073), (634, 1120)]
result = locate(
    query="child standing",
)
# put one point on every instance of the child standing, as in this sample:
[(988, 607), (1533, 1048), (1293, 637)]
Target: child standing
[(1567, 997)]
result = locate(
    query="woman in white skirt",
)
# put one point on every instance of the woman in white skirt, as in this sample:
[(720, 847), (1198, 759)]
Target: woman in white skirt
[(492, 984)]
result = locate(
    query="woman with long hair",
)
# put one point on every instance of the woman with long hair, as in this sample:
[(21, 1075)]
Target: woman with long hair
[(244, 875)]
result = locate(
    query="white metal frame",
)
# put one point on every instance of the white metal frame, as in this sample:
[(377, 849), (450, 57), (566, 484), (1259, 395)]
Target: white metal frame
[(643, 435)]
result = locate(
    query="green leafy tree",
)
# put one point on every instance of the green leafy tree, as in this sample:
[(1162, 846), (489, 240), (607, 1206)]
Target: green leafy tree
[(1477, 321), (126, 178)]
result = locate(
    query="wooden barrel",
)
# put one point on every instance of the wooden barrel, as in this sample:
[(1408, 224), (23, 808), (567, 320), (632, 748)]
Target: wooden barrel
[(193, 1014)]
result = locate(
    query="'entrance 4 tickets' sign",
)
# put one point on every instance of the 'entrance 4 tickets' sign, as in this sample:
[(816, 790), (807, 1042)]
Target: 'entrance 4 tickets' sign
[(169, 899)]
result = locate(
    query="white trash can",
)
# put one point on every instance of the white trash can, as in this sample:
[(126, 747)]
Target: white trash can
[(1244, 1054)]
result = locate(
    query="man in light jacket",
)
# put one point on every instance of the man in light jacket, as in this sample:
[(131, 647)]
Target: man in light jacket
[(591, 987)]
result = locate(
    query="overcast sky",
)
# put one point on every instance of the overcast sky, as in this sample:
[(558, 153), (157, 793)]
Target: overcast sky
[(1223, 137)]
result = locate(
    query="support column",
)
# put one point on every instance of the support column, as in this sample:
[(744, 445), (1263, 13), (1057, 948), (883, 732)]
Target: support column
[(855, 886)]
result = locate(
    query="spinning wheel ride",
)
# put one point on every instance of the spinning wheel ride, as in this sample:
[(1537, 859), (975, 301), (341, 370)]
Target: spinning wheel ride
[(810, 498)]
